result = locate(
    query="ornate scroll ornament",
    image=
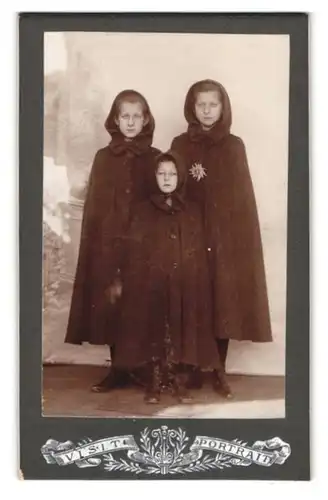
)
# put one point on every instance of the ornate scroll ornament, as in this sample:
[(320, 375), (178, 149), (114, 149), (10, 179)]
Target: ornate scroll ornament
[(197, 171), (165, 451)]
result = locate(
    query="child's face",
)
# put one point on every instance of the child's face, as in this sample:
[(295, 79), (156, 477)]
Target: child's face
[(131, 119), (208, 108), (167, 177)]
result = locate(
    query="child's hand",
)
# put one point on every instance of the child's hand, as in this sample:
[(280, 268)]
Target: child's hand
[(114, 291)]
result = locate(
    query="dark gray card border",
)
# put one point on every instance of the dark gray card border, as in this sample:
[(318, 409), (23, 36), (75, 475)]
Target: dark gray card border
[(35, 430)]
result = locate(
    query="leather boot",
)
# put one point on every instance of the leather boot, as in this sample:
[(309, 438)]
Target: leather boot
[(180, 390), (220, 383), (194, 378), (153, 386), (114, 379)]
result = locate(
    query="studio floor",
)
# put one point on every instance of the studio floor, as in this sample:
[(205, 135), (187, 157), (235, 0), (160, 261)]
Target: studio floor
[(66, 392)]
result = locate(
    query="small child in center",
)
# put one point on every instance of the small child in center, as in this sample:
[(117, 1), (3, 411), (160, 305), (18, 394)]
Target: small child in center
[(166, 321)]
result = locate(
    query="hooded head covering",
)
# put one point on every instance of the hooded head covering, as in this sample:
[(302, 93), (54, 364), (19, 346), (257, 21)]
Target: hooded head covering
[(159, 198), (222, 127), (143, 140)]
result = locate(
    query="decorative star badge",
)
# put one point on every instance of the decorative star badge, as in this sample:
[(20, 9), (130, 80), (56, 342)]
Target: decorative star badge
[(197, 171)]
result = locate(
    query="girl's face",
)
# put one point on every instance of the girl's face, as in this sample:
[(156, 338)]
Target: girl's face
[(131, 119), (208, 108), (167, 177)]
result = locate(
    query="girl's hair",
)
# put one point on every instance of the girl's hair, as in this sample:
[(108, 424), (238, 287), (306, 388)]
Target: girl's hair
[(130, 96), (164, 157), (206, 86)]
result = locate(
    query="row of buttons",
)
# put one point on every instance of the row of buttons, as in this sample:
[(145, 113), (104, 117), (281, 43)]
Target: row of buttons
[(174, 237)]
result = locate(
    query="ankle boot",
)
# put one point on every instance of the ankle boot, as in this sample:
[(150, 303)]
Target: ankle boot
[(114, 379), (108, 383), (180, 390), (220, 383), (194, 378), (153, 386)]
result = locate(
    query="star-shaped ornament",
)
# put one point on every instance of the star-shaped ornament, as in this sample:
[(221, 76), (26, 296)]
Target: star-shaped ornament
[(197, 171)]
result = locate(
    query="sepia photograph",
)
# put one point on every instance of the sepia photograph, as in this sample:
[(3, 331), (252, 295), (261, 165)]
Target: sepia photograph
[(164, 246), (165, 181)]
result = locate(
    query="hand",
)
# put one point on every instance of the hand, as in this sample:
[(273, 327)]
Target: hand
[(114, 291)]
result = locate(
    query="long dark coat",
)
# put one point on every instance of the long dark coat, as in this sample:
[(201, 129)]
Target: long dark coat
[(226, 196), (166, 303), (118, 181)]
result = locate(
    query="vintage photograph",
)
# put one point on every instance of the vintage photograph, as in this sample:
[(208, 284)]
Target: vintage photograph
[(165, 179)]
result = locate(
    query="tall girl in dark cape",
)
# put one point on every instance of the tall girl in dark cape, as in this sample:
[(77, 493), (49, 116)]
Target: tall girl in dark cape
[(117, 182), (219, 180), (166, 303)]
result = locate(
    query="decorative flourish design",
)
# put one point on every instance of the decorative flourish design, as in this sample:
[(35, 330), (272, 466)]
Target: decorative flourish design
[(197, 171), (163, 451), (111, 464)]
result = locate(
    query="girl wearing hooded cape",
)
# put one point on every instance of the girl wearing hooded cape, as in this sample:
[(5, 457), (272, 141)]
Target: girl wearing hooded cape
[(117, 182), (166, 321), (219, 181)]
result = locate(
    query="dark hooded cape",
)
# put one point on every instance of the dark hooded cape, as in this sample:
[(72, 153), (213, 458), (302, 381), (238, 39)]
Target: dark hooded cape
[(118, 181), (166, 304), (226, 197)]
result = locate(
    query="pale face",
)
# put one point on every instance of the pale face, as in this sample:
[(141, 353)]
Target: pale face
[(131, 119), (167, 177), (208, 108)]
